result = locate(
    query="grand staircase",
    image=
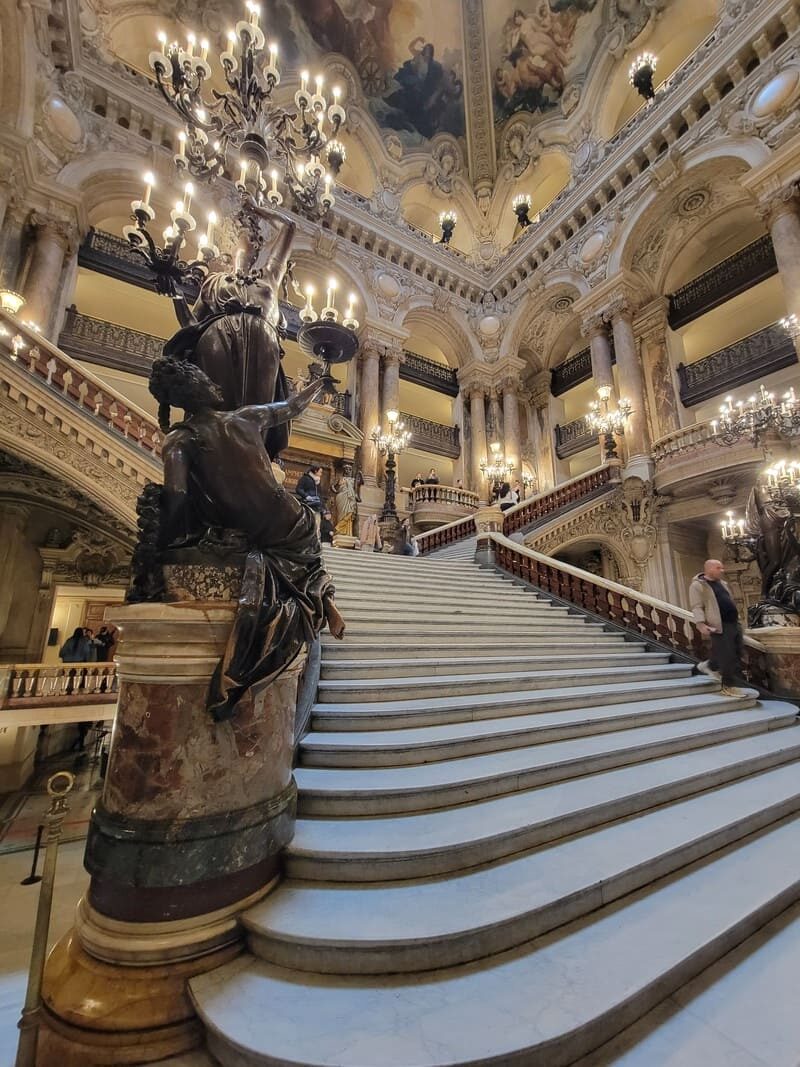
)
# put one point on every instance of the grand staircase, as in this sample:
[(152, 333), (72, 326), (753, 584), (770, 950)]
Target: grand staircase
[(518, 833)]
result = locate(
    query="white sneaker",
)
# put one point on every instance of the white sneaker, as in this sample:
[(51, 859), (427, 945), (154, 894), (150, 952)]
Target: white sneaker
[(731, 691), (705, 668)]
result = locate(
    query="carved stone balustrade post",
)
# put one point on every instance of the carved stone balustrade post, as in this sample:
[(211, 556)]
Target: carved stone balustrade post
[(54, 240), (637, 437), (651, 327), (369, 413), (511, 426)]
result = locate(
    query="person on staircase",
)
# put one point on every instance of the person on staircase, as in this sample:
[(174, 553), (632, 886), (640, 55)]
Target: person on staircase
[(506, 498), (717, 617)]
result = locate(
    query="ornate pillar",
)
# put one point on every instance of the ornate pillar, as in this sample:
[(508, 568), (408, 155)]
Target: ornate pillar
[(494, 428), (781, 212), (631, 379), (511, 426), (663, 403), (392, 358), (600, 348), (477, 410), (369, 412), (541, 431), (52, 241)]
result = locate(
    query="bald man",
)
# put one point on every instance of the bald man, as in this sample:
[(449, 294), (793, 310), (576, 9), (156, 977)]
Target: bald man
[(716, 616)]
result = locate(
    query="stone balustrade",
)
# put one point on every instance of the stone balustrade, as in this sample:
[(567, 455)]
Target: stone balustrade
[(106, 343), (644, 616), (573, 437), (429, 374), (430, 436), (60, 683), (693, 451), (441, 494)]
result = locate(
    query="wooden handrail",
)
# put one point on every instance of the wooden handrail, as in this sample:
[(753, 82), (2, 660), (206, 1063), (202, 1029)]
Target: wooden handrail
[(644, 616)]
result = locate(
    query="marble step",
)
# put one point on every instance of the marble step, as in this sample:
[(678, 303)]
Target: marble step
[(365, 645), (541, 1005), (429, 602), (740, 1012), (382, 790), (478, 586), (396, 714), (391, 668), (387, 616), (418, 926), (375, 562), (357, 690), (476, 625), (409, 747), (452, 839), (429, 593)]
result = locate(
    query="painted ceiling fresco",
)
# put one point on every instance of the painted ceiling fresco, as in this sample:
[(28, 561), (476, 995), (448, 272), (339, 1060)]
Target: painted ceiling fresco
[(407, 54), (537, 49)]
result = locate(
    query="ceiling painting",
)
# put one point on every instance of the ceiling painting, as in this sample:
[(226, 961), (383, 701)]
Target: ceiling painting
[(537, 50), (407, 54)]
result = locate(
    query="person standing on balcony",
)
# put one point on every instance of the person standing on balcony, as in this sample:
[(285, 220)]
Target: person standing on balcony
[(76, 649), (717, 617), (417, 480), (433, 477)]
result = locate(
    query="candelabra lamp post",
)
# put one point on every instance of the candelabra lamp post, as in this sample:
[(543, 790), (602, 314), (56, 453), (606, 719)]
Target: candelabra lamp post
[(497, 469), (390, 443), (755, 417), (641, 74), (606, 421), (741, 544)]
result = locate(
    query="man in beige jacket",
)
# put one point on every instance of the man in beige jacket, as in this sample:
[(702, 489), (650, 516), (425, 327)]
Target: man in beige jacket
[(717, 617)]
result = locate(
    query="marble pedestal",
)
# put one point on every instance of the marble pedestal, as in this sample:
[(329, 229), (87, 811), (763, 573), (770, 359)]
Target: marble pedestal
[(345, 541), (782, 646), (187, 834)]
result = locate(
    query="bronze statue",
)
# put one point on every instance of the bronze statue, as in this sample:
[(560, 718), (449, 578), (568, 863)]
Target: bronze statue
[(773, 542), (233, 333), (218, 475)]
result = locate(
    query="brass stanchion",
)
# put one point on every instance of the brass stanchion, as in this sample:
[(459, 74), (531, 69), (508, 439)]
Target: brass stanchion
[(58, 786)]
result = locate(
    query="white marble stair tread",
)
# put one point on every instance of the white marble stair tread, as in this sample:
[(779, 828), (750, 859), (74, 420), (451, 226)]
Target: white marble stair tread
[(741, 1012), (357, 689), (365, 668), (423, 744), (444, 922), (435, 710), (434, 842), (453, 781), (366, 641), (541, 1005)]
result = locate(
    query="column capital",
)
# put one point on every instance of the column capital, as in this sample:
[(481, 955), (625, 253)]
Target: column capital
[(652, 319), (594, 325), (625, 291), (63, 231), (393, 355), (777, 202)]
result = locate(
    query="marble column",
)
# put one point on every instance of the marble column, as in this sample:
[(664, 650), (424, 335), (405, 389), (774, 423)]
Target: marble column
[(651, 326), (541, 432), (43, 279), (369, 412), (600, 349), (637, 438), (511, 426), (477, 410), (782, 214), (186, 835), (392, 358), (494, 427), (13, 520)]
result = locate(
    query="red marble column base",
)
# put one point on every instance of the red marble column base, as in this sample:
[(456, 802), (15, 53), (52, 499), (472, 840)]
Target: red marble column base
[(101, 1014)]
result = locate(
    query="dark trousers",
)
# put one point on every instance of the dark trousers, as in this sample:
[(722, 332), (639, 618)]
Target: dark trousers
[(726, 650)]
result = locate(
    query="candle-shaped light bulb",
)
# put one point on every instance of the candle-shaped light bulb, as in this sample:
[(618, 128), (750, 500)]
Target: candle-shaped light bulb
[(162, 40), (243, 172), (182, 145), (331, 292), (169, 233), (212, 222), (337, 92), (149, 182), (319, 81), (274, 187), (232, 39), (204, 50), (303, 80), (192, 42), (328, 185), (273, 53), (188, 193), (741, 527), (301, 170)]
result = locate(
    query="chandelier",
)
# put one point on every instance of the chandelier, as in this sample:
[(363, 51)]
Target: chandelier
[(522, 205), (241, 129), (497, 468), (641, 74), (447, 222), (605, 420), (742, 545), (755, 417), (791, 324)]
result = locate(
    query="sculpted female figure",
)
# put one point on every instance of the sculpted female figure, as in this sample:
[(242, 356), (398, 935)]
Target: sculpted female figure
[(233, 332)]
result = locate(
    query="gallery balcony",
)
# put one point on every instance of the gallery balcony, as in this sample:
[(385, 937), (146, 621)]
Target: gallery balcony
[(434, 505)]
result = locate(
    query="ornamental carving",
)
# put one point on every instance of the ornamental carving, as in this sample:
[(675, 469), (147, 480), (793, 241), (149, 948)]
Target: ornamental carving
[(520, 147), (445, 164)]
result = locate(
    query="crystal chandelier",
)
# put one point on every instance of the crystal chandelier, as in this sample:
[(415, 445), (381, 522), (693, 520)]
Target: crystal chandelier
[(791, 324), (497, 468), (606, 421), (447, 222), (641, 74), (242, 129), (755, 417), (390, 443), (522, 205)]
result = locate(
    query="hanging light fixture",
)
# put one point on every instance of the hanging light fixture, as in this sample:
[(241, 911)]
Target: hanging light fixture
[(757, 415), (606, 421), (447, 222), (11, 301), (522, 205), (641, 74)]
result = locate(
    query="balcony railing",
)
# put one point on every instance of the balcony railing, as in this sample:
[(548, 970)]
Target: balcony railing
[(431, 436), (575, 370), (573, 437), (429, 374), (107, 344), (752, 358), (739, 272), (423, 495), (59, 683)]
